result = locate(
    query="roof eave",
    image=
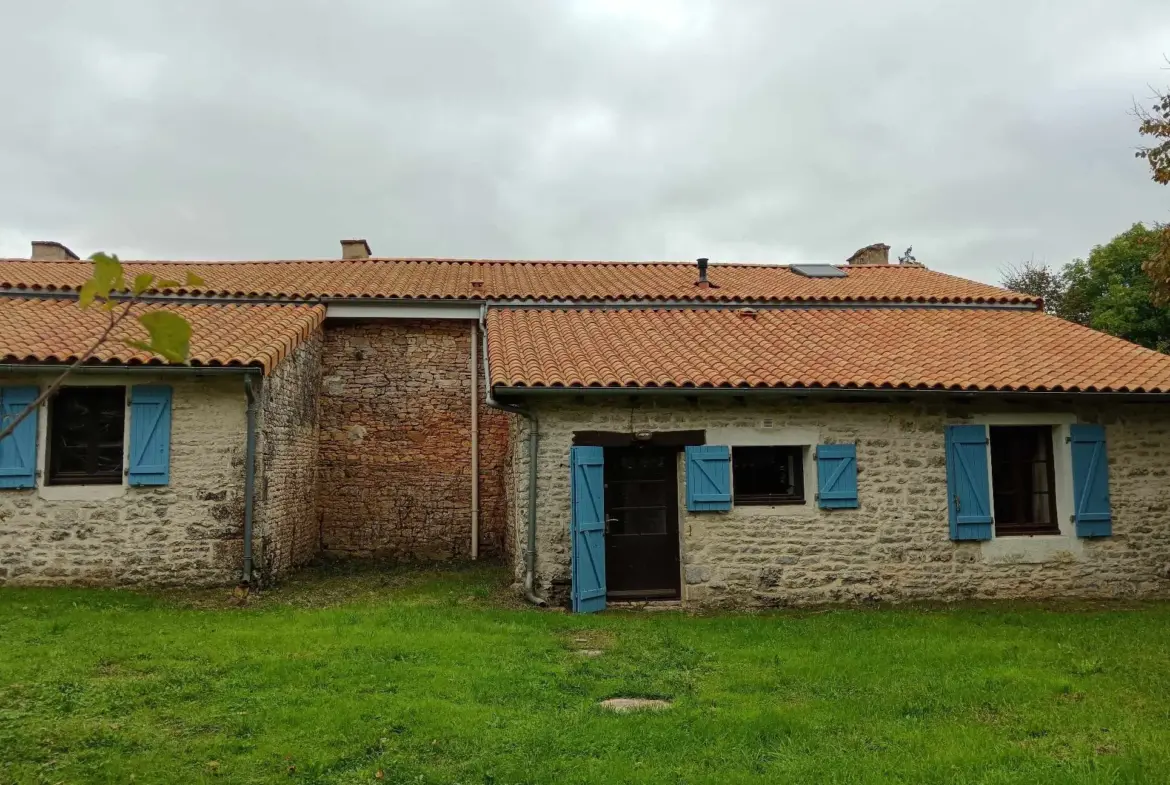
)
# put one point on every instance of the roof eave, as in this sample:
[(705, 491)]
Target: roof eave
[(194, 370), (503, 391)]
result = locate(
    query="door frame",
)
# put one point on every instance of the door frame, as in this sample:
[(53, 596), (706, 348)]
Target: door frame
[(672, 453)]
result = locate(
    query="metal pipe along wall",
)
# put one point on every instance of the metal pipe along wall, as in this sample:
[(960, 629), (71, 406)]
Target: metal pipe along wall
[(474, 445)]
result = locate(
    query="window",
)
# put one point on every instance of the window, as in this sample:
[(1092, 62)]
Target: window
[(86, 435), (1023, 480), (767, 475)]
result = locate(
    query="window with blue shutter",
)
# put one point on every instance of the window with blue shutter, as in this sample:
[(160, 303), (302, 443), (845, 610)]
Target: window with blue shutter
[(837, 476), (708, 478), (150, 435), (968, 486), (18, 450), (587, 528), (1090, 465)]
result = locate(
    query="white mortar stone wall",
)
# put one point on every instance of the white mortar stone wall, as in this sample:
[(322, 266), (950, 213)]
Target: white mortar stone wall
[(896, 546), (516, 492), (186, 533)]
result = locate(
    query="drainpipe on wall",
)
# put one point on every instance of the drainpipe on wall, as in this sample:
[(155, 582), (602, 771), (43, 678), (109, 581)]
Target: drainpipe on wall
[(533, 438), (249, 478), (474, 446)]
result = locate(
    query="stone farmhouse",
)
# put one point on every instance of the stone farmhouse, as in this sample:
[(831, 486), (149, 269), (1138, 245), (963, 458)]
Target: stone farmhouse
[(715, 434)]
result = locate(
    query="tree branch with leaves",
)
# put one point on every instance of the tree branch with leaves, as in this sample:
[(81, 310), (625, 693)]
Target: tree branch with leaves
[(1038, 280), (169, 334), (1154, 123)]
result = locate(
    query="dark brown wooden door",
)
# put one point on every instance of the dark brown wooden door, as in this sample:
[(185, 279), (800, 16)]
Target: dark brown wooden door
[(641, 511)]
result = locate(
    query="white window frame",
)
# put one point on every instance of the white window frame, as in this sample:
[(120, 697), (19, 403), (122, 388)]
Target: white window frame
[(1037, 548), (805, 438)]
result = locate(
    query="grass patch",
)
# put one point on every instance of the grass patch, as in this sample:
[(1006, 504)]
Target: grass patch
[(442, 677)]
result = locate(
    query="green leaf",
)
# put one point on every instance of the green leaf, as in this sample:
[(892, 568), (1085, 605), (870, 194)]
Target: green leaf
[(143, 345), (142, 282), (87, 293), (107, 275), (194, 280), (170, 335), (168, 283)]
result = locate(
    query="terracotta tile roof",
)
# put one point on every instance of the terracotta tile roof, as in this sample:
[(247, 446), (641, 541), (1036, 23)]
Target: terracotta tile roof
[(505, 280), (57, 331), (874, 347)]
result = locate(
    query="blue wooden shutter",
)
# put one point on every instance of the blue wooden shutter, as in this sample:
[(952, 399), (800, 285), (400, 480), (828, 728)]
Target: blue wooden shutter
[(837, 476), (150, 435), (18, 450), (968, 489), (587, 526), (1090, 467), (708, 478)]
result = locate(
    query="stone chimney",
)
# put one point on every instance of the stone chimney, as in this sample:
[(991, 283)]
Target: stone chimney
[(878, 253), (50, 251), (355, 249)]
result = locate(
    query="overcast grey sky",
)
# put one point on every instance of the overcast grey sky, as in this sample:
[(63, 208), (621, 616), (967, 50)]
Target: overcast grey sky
[(983, 132)]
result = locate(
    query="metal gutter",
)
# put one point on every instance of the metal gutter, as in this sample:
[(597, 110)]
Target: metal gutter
[(191, 370), (533, 443), (818, 392)]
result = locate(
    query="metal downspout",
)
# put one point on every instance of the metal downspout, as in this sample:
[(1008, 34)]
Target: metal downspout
[(249, 478), (533, 440), (474, 446)]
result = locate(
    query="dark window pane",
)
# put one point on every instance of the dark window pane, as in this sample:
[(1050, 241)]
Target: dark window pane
[(1022, 480), (634, 521), (767, 475), (86, 427)]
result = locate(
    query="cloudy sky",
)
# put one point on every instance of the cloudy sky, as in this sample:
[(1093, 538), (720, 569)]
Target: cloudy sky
[(982, 132)]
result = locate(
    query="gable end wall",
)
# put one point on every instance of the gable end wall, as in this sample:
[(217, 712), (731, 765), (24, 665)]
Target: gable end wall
[(288, 532), (395, 465)]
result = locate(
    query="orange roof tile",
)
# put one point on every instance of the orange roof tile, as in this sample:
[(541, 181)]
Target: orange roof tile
[(58, 331), (874, 347), (507, 280)]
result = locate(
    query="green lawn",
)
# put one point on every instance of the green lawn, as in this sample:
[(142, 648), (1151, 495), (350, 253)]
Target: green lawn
[(432, 677)]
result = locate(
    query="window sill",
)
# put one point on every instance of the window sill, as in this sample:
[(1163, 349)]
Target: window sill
[(80, 493), (1022, 534), (1033, 549), (777, 503)]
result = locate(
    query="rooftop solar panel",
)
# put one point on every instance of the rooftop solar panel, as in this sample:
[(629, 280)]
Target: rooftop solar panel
[(818, 270)]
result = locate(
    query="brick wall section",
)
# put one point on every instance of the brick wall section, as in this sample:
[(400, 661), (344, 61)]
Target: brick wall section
[(187, 533), (896, 547), (395, 448), (288, 532)]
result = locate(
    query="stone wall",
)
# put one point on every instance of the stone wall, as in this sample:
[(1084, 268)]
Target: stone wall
[(395, 463), (186, 533), (288, 532), (896, 546)]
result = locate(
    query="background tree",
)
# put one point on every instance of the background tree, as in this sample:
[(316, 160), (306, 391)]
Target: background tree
[(1038, 280), (169, 334), (1154, 123), (1110, 291), (1113, 292)]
